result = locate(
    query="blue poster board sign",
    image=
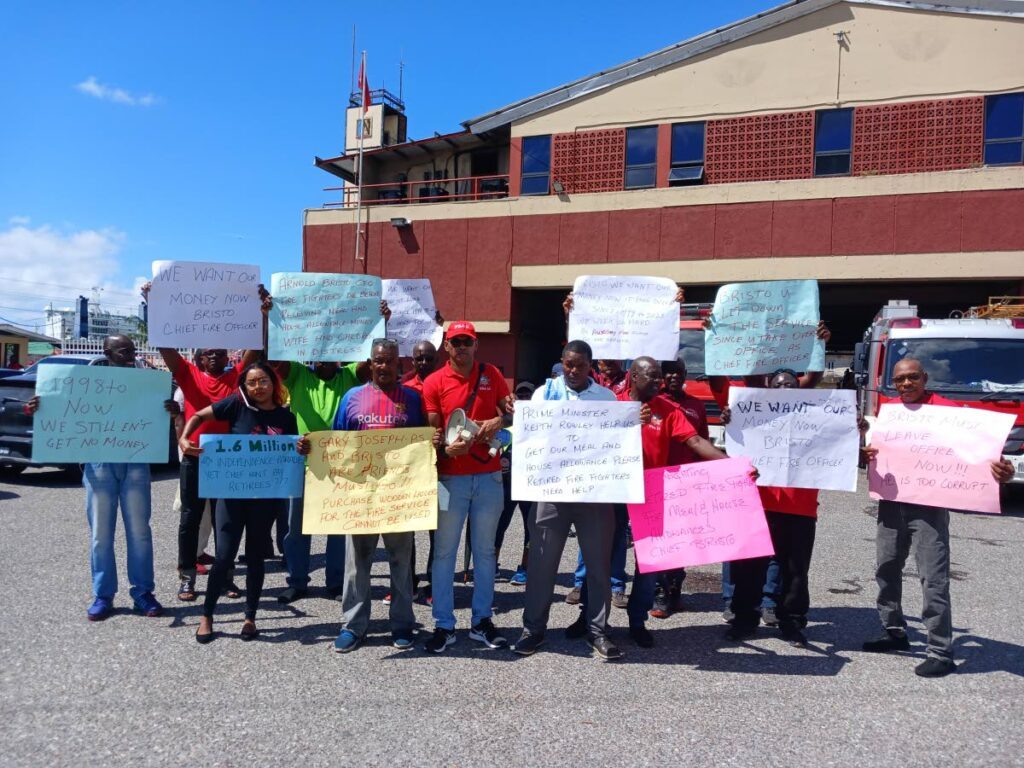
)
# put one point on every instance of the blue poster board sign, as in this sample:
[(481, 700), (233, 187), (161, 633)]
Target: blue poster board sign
[(250, 467)]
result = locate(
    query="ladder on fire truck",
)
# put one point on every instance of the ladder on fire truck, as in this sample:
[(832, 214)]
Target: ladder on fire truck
[(997, 307)]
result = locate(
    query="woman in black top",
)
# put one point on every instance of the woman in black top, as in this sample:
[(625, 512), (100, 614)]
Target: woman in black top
[(256, 409)]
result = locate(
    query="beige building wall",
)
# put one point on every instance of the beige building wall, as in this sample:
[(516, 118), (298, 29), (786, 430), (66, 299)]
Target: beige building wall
[(891, 55)]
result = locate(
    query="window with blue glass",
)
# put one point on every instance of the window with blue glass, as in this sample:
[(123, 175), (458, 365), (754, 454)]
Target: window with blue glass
[(1004, 129), (833, 142), (536, 168), (641, 156), (687, 160)]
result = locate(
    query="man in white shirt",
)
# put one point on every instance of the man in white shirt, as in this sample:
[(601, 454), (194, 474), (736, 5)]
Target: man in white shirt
[(550, 522)]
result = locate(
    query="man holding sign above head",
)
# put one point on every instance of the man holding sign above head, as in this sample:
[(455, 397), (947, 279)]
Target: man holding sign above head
[(315, 394), (106, 486), (901, 524), (471, 474), (202, 384), (549, 527), (382, 404)]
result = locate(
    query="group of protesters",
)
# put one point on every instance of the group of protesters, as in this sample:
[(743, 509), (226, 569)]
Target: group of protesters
[(261, 397)]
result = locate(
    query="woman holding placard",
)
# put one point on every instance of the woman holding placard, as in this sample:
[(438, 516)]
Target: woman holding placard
[(255, 409)]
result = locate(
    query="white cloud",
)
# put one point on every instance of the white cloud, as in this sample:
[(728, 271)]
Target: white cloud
[(19, 221), (40, 266), (92, 87)]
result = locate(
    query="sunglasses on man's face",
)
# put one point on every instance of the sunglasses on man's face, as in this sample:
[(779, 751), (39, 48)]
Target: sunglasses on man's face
[(461, 341)]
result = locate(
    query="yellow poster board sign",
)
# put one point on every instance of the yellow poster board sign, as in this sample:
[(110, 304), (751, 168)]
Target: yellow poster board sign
[(371, 481)]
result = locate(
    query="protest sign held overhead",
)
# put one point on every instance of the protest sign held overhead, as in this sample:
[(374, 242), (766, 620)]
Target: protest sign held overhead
[(97, 413), (250, 467), (372, 481), (796, 438), (761, 327), (697, 514), (203, 304), (323, 316), (937, 456), (622, 318), (413, 314), (580, 451)]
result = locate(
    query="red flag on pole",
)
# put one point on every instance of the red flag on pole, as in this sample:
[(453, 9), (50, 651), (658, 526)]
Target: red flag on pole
[(364, 86)]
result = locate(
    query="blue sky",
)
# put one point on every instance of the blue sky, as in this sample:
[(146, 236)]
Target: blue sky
[(131, 132)]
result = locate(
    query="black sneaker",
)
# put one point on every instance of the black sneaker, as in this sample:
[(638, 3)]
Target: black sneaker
[(932, 667), (485, 632), (290, 595), (578, 628), (605, 648), (891, 640), (768, 617), (736, 633), (440, 640), (641, 636), (528, 644), (792, 635), (661, 609)]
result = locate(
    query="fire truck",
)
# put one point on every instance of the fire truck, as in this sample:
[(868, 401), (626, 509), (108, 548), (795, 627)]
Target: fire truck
[(975, 358)]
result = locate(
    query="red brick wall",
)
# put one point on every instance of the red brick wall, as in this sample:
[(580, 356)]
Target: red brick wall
[(589, 161), (918, 136), (759, 148)]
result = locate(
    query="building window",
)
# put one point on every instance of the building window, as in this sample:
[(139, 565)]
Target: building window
[(833, 141), (641, 156), (536, 178), (1004, 129), (687, 155)]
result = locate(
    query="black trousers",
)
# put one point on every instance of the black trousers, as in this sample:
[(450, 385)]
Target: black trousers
[(192, 506), (231, 517), (793, 539)]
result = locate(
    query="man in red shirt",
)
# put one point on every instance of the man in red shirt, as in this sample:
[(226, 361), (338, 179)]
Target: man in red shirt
[(662, 424), (472, 478), (424, 361), (899, 525), (792, 515)]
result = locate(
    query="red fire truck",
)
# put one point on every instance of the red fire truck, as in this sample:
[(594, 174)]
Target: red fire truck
[(976, 359)]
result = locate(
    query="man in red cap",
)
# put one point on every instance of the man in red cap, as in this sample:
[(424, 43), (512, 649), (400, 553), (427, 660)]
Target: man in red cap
[(472, 478)]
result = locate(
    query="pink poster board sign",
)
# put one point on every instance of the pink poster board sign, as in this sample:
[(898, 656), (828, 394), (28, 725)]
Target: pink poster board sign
[(937, 456), (696, 514)]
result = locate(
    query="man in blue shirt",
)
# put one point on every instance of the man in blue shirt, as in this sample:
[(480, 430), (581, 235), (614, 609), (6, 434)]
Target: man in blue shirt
[(550, 523)]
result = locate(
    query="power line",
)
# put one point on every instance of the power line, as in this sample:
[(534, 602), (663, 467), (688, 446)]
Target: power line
[(58, 285)]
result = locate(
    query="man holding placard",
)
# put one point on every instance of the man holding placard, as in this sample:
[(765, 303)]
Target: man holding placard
[(381, 404), (109, 483), (471, 474), (550, 522), (901, 524), (203, 384)]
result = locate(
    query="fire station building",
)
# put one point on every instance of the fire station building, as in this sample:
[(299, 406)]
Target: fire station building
[(874, 145)]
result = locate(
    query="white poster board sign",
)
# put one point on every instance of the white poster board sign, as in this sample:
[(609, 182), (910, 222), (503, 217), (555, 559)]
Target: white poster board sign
[(623, 318), (413, 313), (579, 451), (796, 438), (206, 305)]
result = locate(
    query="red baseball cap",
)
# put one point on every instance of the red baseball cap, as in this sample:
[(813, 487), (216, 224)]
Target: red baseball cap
[(461, 328)]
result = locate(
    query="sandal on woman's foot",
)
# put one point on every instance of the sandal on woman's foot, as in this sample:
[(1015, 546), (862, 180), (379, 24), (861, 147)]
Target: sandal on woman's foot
[(204, 637), (249, 630), (232, 590), (187, 590)]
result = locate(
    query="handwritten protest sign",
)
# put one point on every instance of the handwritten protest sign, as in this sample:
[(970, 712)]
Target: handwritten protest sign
[(577, 451), (323, 316), (937, 456), (761, 327), (697, 514), (98, 413), (250, 467), (202, 304), (373, 481), (413, 314), (625, 317), (797, 438)]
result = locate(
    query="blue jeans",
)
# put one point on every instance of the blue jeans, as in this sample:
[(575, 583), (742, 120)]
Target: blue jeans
[(107, 485), (479, 498), (296, 553), (618, 554), (772, 585)]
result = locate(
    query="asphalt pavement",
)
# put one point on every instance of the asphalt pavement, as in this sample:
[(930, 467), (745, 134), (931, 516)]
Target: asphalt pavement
[(140, 691)]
